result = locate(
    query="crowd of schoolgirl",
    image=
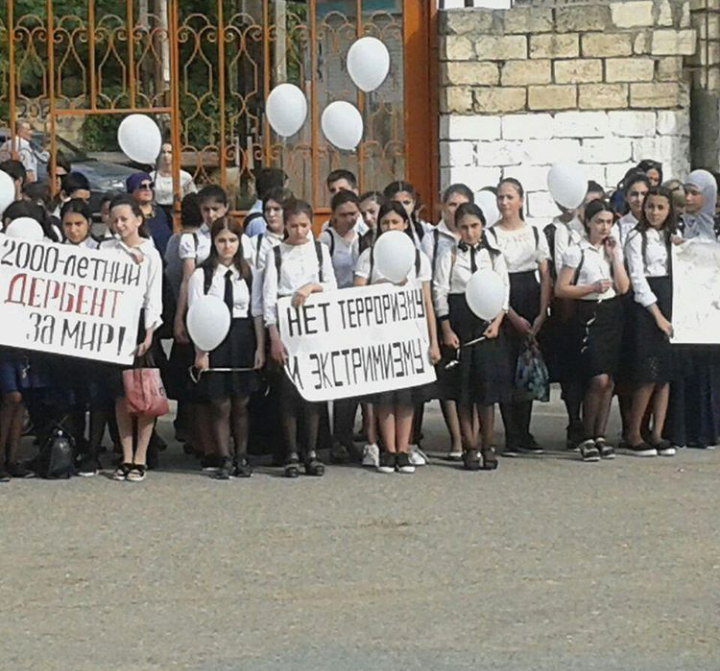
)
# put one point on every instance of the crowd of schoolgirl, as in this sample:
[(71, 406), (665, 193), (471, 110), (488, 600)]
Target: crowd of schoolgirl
[(593, 292)]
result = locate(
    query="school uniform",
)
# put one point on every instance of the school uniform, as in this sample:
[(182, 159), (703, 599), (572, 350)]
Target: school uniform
[(343, 253), (287, 269), (555, 337), (244, 301), (360, 226), (648, 260), (621, 229), (483, 376), (436, 242), (151, 311), (599, 318), (419, 272), (261, 243), (524, 249)]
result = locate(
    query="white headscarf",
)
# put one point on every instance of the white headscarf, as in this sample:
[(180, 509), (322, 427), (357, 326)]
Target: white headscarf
[(701, 224)]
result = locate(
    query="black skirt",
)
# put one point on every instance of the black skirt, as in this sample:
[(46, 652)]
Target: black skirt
[(599, 336), (236, 351), (556, 340), (525, 301), (483, 376), (651, 354)]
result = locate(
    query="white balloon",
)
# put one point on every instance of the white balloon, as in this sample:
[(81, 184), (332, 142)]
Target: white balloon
[(394, 255), (208, 322), (567, 184), (368, 63), (485, 294), (342, 125), (140, 139), (26, 228), (7, 190), (286, 108), (487, 202)]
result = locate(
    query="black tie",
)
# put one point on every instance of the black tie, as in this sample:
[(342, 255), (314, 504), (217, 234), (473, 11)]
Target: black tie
[(473, 263), (229, 297)]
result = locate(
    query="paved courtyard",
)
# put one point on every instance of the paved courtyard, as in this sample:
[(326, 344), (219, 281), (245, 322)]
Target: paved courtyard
[(547, 563)]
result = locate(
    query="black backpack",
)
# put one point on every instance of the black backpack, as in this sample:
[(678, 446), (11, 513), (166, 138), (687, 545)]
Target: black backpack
[(57, 456)]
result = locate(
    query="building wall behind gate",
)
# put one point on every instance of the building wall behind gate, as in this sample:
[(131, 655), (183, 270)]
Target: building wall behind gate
[(602, 84)]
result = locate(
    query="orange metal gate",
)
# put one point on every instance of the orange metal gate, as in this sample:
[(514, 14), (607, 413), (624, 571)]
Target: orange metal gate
[(204, 69)]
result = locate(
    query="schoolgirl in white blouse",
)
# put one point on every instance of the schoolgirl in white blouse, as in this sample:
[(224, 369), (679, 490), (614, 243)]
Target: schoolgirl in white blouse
[(526, 254), (435, 243), (274, 231), (228, 276), (483, 375), (127, 221), (298, 267), (637, 186), (343, 241), (594, 275), (85, 379), (395, 409), (648, 256)]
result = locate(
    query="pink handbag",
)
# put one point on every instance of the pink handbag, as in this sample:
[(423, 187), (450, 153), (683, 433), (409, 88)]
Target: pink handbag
[(144, 392)]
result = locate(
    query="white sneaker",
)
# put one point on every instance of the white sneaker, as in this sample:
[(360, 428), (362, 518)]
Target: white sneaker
[(371, 455), (417, 456)]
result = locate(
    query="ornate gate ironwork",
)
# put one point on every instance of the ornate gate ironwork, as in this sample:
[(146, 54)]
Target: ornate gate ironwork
[(204, 69)]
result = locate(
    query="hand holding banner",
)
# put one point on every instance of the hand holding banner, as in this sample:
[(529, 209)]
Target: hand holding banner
[(355, 342)]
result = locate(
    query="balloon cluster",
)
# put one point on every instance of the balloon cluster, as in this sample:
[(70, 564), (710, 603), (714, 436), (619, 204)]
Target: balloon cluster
[(368, 63)]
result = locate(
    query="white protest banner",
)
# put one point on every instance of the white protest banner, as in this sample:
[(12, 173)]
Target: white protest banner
[(69, 300), (696, 293), (358, 341)]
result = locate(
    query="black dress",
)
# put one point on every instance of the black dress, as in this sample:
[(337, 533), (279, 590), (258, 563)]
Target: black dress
[(483, 376)]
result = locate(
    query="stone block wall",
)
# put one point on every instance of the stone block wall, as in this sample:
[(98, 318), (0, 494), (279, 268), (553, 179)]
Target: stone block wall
[(602, 84)]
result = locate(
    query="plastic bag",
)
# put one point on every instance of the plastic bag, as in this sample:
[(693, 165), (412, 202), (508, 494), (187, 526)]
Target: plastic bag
[(532, 379)]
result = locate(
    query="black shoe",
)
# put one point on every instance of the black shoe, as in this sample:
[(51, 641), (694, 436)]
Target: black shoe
[(511, 451), (643, 450), (224, 471), (606, 451), (18, 470), (387, 462), (403, 465), (531, 446), (211, 463), (292, 466), (339, 454), (242, 468), (4, 475), (313, 466), (588, 451), (88, 467), (575, 433), (471, 460)]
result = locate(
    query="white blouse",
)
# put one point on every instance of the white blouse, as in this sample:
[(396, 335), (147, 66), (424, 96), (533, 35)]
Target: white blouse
[(524, 248), (243, 297), (595, 266), (622, 228), (164, 186), (260, 244), (299, 266), (344, 255), (566, 235), (654, 263), (363, 269), (437, 241), (455, 269), (152, 269)]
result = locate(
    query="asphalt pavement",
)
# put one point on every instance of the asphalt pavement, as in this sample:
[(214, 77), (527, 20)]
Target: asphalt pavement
[(547, 563)]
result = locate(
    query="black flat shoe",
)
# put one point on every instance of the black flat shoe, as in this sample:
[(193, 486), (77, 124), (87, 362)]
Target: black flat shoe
[(292, 467), (313, 466)]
